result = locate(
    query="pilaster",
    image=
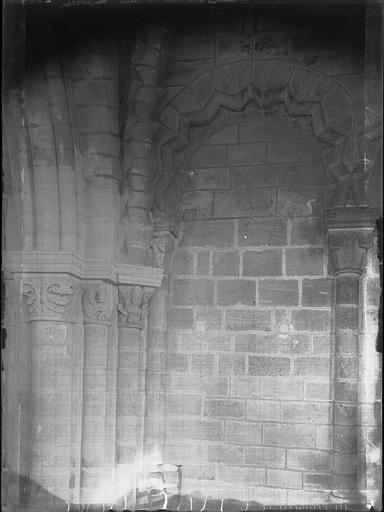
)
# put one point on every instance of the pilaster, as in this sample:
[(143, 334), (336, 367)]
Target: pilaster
[(350, 235)]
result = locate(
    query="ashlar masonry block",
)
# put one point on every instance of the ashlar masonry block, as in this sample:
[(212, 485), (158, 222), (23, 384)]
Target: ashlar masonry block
[(192, 292), (236, 292), (262, 263), (271, 231), (243, 433)]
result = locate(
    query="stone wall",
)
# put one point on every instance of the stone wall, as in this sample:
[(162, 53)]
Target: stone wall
[(256, 125), (251, 319)]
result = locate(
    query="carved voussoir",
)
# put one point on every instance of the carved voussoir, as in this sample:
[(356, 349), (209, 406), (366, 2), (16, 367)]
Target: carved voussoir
[(51, 297), (133, 305), (97, 301)]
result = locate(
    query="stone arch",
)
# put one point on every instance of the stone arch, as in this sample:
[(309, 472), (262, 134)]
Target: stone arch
[(314, 102)]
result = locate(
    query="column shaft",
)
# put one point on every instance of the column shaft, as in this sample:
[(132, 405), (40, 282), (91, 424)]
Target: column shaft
[(95, 476), (346, 380)]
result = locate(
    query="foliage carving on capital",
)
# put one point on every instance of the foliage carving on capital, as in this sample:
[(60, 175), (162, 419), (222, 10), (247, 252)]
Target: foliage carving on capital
[(97, 303), (50, 297), (348, 249), (133, 305)]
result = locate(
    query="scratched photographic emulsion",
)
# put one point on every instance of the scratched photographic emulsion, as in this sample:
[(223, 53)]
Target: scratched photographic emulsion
[(192, 255)]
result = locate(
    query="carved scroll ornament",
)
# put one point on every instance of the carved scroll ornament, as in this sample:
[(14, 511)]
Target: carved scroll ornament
[(51, 297)]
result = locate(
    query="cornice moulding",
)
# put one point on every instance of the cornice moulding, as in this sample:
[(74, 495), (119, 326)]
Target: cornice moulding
[(37, 262), (346, 218)]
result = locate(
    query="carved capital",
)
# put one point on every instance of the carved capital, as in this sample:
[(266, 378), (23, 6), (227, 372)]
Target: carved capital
[(97, 303), (51, 297), (350, 235), (133, 305), (348, 249)]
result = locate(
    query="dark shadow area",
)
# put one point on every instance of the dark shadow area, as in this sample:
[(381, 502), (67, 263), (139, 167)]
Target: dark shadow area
[(36, 31)]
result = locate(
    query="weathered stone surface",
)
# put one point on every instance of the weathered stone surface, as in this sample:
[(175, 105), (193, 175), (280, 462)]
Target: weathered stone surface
[(210, 155), (311, 320), (248, 320), (300, 201), (291, 151), (280, 388), (231, 365), (347, 318), (196, 205), (262, 263), (283, 478), (236, 292), (278, 292), (259, 232), (264, 130), (181, 318), (347, 367), (202, 263), (338, 109), (225, 263), (310, 173), (263, 410), (216, 233), (192, 292), (250, 476), (183, 404), (263, 203), (302, 412), (225, 454), (268, 365), (314, 366), (264, 456), (243, 154), (309, 460), (199, 429), (203, 363), (211, 318), (191, 341), (209, 179), (255, 176), (227, 135), (182, 73), (304, 262), (284, 434), (211, 386), (225, 408), (203, 88), (347, 289), (177, 362), (243, 433), (232, 204), (307, 230), (232, 48), (247, 387), (317, 292), (317, 391), (182, 263)]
